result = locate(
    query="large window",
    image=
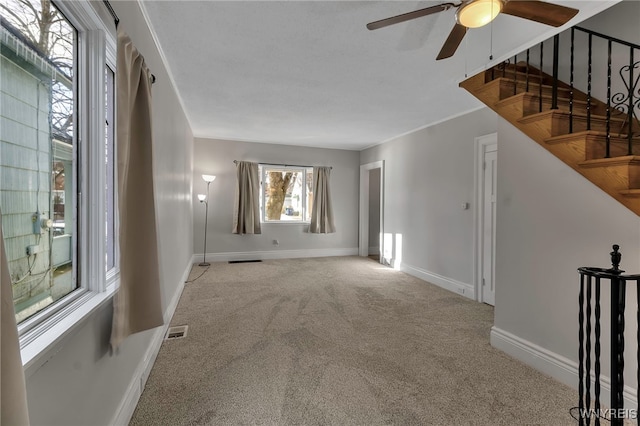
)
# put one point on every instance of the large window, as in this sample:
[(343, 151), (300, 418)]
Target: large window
[(286, 194), (39, 146), (57, 152)]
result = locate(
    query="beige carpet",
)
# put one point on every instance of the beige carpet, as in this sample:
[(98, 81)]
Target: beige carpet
[(338, 341)]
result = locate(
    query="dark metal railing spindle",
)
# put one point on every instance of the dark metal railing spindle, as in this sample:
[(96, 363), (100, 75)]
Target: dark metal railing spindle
[(617, 347), (608, 125), (597, 349), (581, 347), (589, 77), (541, 77), (527, 73), (515, 75), (556, 53), (571, 78), (587, 348), (630, 106)]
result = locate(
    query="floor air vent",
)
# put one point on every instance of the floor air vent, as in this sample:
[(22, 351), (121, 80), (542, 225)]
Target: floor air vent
[(244, 261), (176, 332)]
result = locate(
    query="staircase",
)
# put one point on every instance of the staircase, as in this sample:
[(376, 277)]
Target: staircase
[(598, 139)]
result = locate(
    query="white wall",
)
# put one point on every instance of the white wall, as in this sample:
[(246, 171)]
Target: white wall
[(82, 383), (550, 221), (428, 175), (216, 157)]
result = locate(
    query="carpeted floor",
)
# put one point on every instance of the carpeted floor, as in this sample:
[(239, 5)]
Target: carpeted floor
[(338, 341)]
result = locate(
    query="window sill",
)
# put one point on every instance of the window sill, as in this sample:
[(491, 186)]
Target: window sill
[(38, 344), (285, 222)]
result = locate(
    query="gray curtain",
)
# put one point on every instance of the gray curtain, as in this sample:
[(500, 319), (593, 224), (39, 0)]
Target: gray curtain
[(246, 206), (322, 212), (13, 394), (137, 305)]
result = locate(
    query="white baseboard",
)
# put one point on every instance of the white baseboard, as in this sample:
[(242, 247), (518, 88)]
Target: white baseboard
[(560, 368), (139, 379), (450, 284), (275, 254)]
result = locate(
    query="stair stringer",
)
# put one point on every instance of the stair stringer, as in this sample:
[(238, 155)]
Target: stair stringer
[(619, 177)]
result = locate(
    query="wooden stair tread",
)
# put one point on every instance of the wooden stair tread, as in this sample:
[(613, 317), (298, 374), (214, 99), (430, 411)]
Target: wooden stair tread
[(559, 111), (631, 193), (536, 95), (613, 161), (590, 133), (524, 83)]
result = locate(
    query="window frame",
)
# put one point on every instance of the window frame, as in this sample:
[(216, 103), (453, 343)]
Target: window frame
[(95, 49), (263, 167), (113, 273)]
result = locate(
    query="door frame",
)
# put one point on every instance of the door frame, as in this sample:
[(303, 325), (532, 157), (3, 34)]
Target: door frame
[(363, 240), (480, 144)]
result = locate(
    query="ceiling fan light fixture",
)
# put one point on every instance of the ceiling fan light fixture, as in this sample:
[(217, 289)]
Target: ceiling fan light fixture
[(477, 13)]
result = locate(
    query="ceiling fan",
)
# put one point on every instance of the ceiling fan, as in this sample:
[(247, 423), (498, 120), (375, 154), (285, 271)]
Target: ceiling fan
[(477, 13)]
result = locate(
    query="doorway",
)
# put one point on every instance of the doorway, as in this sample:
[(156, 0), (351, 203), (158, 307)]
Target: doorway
[(371, 210), (486, 191)]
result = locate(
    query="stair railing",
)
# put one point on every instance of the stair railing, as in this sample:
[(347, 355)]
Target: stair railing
[(626, 101), (577, 59), (592, 282)]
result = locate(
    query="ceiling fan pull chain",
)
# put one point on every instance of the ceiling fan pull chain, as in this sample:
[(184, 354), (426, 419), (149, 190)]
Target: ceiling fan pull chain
[(491, 42)]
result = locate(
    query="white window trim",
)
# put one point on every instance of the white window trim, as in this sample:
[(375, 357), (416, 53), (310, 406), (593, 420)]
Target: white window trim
[(113, 274), (263, 219), (41, 334)]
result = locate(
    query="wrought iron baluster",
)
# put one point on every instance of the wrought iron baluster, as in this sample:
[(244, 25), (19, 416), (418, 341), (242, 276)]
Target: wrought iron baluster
[(581, 348), (554, 90), (596, 387), (515, 74), (527, 73), (588, 351), (630, 107), (571, 79), (608, 120), (617, 348), (541, 77), (589, 77)]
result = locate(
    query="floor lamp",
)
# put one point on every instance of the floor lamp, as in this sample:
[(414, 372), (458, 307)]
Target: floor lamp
[(204, 199)]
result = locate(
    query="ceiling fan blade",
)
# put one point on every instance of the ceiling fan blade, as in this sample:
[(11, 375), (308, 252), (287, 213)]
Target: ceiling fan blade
[(540, 11), (408, 16), (453, 41)]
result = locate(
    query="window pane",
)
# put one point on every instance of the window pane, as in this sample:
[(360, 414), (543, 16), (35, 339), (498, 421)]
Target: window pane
[(37, 157), (110, 163), (284, 199)]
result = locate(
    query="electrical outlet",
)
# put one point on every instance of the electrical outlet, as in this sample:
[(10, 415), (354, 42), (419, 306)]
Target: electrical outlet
[(33, 250)]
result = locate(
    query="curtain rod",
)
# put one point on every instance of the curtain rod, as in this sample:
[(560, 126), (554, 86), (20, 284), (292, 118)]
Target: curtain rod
[(285, 165), (117, 21)]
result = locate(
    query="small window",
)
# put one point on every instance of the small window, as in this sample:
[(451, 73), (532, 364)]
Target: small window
[(286, 194)]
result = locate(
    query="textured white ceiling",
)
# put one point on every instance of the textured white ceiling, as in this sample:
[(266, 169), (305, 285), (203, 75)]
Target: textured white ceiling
[(309, 73)]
